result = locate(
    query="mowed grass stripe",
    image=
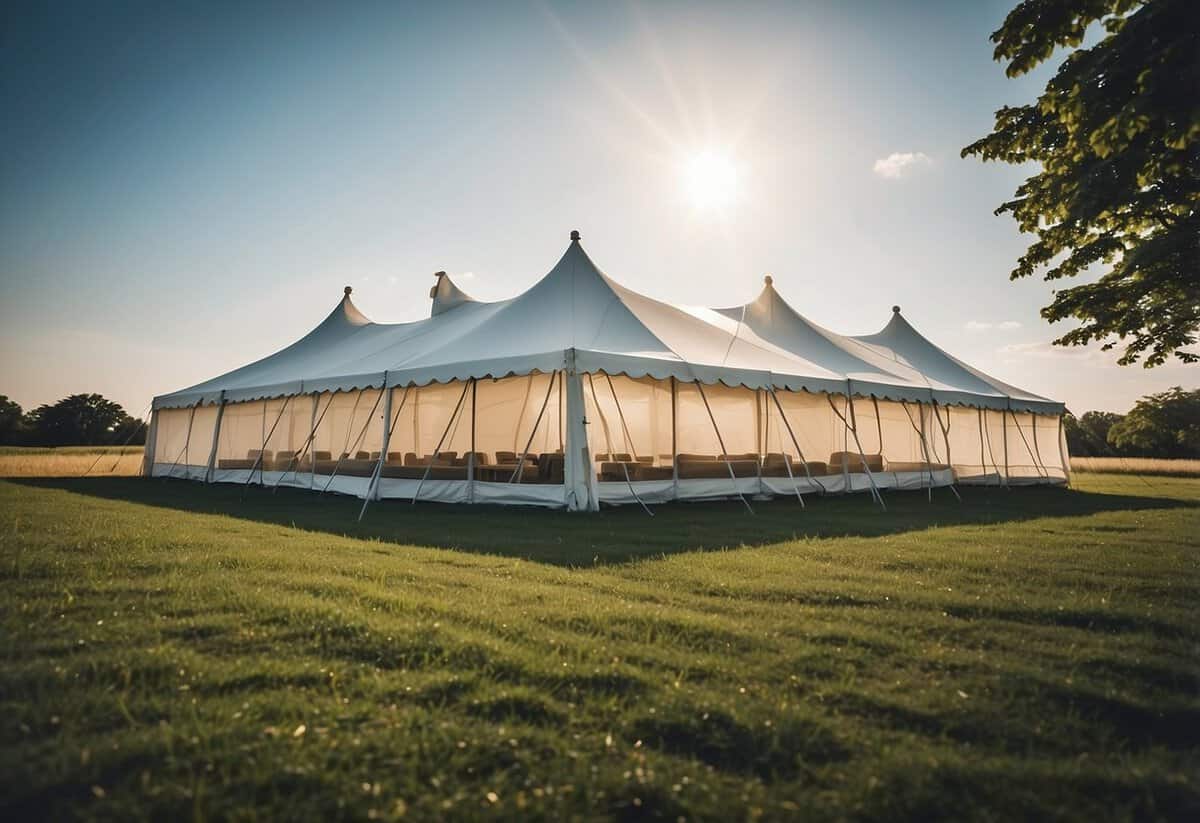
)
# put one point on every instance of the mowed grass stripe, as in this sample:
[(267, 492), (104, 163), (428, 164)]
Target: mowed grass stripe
[(1028, 653)]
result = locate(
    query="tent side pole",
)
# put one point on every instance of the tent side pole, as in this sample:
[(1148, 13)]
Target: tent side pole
[(674, 441), (259, 461), (441, 441), (608, 438), (372, 492), (520, 469), (149, 449), (724, 453), (758, 438), (1004, 428), (308, 441), (216, 440), (1064, 456), (581, 491), (350, 428), (312, 433), (850, 430), (799, 451), (787, 462), (471, 458), (186, 439)]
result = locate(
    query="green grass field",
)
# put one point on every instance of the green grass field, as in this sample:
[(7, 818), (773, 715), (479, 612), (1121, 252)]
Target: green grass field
[(173, 650)]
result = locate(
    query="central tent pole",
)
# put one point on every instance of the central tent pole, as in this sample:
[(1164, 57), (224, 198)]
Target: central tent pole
[(724, 453)]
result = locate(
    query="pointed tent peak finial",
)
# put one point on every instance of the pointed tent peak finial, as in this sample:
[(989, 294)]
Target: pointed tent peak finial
[(347, 290), (768, 279), (575, 235), (895, 309), (440, 275)]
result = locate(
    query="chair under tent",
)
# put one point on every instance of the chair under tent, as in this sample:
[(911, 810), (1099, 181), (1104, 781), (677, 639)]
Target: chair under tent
[(580, 392)]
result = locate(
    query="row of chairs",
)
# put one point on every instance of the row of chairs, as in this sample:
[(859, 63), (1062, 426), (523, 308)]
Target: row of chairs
[(618, 466), (546, 467)]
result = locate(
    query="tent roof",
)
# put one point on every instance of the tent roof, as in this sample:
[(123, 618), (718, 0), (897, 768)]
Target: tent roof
[(901, 343), (574, 310)]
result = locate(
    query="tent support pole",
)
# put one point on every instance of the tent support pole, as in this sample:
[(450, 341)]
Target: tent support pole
[(258, 462), (471, 458), (852, 430), (758, 438), (1063, 457), (388, 423), (1032, 456), (724, 453), (674, 442), (787, 463), (608, 438), (441, 441), (312, 434), (315, 421), (1004, 428), (186, 440), (357, 440), (520, 469), (216, 440), (796, 443), (946, 438)]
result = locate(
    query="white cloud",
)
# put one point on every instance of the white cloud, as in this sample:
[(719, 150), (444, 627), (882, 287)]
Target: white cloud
[(982, 325), (467, 275), (901, 164)]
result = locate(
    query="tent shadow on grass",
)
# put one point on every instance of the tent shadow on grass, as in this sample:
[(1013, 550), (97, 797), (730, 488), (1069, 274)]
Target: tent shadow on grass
[(616, 534)]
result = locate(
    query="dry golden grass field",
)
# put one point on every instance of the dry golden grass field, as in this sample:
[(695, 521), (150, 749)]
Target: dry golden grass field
[(1136, 465), (70, 461)]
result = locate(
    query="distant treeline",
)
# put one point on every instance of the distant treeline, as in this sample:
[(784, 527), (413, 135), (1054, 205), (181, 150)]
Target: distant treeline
[(1165, 425), (78, 420)]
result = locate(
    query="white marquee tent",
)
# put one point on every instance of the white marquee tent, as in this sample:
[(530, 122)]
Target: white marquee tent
[(580, 391)]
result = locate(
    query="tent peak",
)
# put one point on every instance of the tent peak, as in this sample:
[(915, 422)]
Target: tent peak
[(895, 309), (768, 279), (446, 295), (575, 236), (346, 291)]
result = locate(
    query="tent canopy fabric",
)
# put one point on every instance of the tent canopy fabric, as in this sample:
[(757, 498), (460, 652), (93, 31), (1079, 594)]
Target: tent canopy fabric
[(576, 314)]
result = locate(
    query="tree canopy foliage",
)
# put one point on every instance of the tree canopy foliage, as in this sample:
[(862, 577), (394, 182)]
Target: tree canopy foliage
[(78, 420), (1116, 138), (1161, 425)]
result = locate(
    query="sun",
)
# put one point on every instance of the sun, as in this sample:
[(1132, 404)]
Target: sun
[(710, 179)]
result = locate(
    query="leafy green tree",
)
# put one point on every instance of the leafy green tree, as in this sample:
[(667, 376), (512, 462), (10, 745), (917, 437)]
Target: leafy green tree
[(1161, 425), (12, 422), (81, 419), (1087, 435), (1115, 137)]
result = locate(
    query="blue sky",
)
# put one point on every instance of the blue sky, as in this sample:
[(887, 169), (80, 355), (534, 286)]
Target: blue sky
[(188, 186)]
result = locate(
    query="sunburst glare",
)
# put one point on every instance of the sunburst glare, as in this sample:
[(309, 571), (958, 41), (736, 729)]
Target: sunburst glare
[(710, 179)]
